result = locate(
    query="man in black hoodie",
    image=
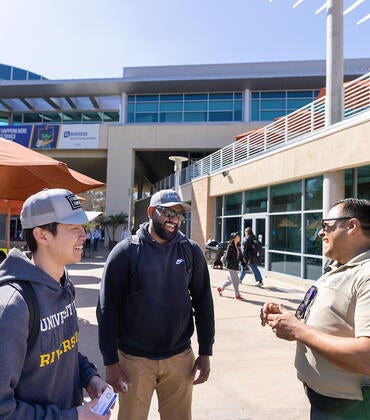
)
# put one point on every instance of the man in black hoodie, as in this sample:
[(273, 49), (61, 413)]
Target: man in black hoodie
[(45, 381), (150, 292)]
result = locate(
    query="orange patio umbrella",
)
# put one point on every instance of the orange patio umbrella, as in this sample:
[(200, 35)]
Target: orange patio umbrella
[(24, 172)]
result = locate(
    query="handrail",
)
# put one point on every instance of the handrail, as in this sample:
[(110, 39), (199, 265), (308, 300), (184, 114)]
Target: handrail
[(283, 130)]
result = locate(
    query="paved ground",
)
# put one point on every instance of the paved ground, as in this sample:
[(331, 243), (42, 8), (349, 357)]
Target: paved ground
[(252, 376)]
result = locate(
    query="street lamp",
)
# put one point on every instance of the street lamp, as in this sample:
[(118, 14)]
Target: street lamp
[(177, 169)]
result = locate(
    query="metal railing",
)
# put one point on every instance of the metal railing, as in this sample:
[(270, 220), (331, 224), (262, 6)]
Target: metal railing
[(282, 131)]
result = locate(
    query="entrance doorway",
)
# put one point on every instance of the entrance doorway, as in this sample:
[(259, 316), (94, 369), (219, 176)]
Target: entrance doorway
[(258, 224)]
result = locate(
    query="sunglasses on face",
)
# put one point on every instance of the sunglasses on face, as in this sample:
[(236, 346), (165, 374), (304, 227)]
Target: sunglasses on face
[(168, 212), (306, 302), (326, 223)]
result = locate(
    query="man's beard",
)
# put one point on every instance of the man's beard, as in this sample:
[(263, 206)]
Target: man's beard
[(162, 232)]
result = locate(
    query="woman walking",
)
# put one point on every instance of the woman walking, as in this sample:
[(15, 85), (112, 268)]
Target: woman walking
[(232, 264)]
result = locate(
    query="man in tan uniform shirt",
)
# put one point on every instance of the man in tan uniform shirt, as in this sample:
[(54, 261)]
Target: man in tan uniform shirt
[(332, 324)]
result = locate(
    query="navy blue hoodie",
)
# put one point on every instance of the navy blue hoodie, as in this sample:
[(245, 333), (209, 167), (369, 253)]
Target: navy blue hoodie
[(45, 382), (151, 314)]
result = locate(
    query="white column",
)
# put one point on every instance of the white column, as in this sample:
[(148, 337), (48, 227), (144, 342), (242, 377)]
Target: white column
[(334, 111), (123, 108), (333, 189), (246, 105)]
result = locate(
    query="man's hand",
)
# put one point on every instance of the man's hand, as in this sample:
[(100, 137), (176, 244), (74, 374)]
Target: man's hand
[(282, 322), (84, 411), (96, 387), (116, 377), (202, 363), (268, 308)]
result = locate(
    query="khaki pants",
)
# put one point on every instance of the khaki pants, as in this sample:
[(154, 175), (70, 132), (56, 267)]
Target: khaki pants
[(170, 378)]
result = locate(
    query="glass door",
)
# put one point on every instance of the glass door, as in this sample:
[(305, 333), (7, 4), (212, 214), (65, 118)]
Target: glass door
[(258, 224)]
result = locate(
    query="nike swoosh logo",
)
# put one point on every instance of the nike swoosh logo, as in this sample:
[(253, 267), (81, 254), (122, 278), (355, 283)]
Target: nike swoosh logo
[(179, 261)]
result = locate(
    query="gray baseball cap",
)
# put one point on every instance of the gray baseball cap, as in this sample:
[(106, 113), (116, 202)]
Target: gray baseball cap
[(168, 198), (52, 205)]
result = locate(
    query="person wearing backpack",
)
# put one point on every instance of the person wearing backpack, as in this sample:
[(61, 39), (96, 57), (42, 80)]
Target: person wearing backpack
[(154, 284), (42, 373), (250, 255)]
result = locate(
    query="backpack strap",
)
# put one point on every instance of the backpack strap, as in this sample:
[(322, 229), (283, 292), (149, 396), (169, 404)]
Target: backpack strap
[(134, 256), (26, 290)]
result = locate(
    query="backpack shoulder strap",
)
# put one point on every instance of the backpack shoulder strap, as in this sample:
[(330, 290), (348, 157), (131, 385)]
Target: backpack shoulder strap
[(134, 257), (26, 290)]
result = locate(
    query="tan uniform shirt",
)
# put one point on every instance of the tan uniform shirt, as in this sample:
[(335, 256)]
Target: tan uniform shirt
[(341, 308)]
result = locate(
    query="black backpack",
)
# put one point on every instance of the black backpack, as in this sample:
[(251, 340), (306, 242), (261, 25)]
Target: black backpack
[(26, 290)]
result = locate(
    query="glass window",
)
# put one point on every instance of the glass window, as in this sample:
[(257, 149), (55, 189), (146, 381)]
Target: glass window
[(312, 268), (147, 98), (233, 204), (231, 224), (50, 117), (238, 116), (301, 94), (72, 117), (17, 118), (313, 193), (131, 113), (19, 74), (285, 231), (219, 206), (33, 76), (111, 116), (171, 97), (278, 104), (363, 182), (4, 72), (195, 116), (147, 107), (271, 115), (32, 118), (195, 106), (221, 116), (313, 243), (91, 117), (196, 97), (146, 118), (287, 264), (349, 177), (255, 201), (272, 95), (170, 117), (220, 105), (170, 106), (294, 104), (220, 96), (286, 197)]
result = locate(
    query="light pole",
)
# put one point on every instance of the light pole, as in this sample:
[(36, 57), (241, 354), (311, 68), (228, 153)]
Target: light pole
[(177, 169)]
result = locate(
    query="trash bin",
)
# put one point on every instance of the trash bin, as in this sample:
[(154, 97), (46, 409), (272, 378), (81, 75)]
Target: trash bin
[(211, 251), (221, 248)]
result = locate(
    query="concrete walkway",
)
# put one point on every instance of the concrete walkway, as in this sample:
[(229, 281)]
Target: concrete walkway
[(252, 372)]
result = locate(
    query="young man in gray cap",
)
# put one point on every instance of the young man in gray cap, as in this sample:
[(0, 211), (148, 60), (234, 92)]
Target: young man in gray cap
[(152, 287), (44, 380)]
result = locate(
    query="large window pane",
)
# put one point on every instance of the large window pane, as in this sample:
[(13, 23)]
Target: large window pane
[(255, 201), (219, 206), (220, 105), (287, 264), (221, 116), (231, 224), (349, 183), (313, 196), (286, 232), (195, 106), (312, 268), (233, 204), (313, 243), (363, 182), (170, 106), (147, 107), (286, 197), (195, 116)]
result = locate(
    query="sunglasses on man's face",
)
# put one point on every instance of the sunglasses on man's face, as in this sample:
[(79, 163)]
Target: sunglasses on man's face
[(306, 302), (168, 212), (327, 223)]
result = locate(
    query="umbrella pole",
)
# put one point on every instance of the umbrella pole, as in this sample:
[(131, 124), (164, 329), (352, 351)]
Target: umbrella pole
[(8, 227)]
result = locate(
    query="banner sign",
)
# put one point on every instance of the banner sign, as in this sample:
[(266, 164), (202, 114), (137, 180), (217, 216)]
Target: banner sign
[(68, 136)]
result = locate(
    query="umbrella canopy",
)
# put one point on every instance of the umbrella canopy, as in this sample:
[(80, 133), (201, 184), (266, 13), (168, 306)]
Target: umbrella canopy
[(24, 172)]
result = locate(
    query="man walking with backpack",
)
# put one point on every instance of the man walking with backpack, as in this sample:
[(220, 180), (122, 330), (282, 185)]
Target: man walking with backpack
[(153, 284), (251, 251), (42, 372)]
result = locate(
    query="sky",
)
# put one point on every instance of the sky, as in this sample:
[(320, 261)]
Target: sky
[(78, 39)]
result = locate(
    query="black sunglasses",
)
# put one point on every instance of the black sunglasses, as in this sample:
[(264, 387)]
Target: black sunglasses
[(168, 212), (306, 302), (325, 224)]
